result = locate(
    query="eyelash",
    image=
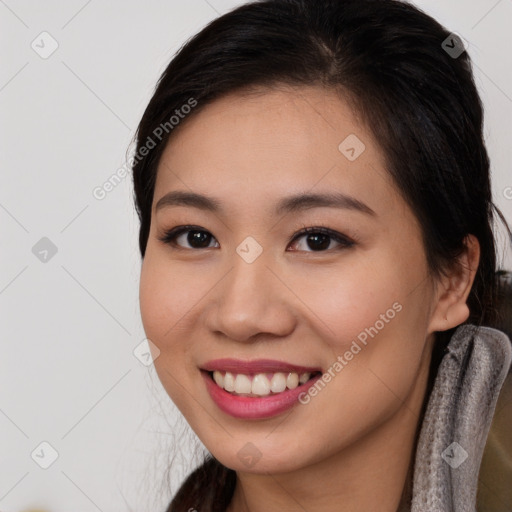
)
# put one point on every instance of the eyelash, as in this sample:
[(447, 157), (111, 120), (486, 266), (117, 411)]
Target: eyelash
[(169, 237)]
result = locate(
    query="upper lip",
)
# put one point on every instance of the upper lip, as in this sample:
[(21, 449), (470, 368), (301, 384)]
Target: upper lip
[(256, 366)]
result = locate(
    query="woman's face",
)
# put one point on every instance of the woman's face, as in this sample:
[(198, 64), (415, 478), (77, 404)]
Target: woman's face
[(243, 285)]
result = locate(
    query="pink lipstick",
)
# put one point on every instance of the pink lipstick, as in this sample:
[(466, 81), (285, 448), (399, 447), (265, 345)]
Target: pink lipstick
[(246, 405)]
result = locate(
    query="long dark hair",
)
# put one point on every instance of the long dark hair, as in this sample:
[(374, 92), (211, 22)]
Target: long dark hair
[(404, 74)]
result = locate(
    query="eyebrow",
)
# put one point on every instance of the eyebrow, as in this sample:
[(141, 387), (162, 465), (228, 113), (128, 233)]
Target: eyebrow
[(289, 204)]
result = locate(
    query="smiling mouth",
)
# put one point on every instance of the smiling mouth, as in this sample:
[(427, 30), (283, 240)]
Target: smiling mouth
[(258, 385)]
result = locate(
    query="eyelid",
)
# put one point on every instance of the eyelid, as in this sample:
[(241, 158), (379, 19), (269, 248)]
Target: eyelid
[(344, 240), (169, 237)]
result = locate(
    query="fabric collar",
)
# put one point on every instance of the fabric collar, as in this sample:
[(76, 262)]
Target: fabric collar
[(458, 418)]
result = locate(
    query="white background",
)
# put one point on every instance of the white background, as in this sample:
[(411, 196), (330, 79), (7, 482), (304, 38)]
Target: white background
[(68, 329)]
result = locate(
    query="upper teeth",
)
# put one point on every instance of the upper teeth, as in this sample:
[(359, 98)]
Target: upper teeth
[(259, 384)]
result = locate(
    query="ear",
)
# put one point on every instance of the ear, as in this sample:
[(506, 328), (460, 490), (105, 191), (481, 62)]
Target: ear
[(452, 290)]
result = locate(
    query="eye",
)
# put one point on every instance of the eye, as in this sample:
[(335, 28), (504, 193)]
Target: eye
[(318, 238), (195, 236)]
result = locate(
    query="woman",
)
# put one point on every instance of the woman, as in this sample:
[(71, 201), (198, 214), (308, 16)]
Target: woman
[(319, 260)]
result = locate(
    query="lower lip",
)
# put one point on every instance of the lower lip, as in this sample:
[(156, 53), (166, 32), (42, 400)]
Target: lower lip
[(251, 408)]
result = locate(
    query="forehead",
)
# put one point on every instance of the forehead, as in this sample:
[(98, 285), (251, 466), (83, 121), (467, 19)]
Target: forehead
[(273, 143)]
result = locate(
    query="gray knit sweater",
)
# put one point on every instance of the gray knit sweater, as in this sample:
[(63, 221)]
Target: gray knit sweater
[(457, 420)]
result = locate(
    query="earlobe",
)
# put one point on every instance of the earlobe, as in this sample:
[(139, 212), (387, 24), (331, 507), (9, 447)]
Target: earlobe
[(453, 289)]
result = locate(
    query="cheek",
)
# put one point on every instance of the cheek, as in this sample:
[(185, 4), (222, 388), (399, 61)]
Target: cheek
[(345, 300), (167, 298), (374, 315), (166, 295)]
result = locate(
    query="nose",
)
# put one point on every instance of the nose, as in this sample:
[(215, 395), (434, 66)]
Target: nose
[(251, 301)]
